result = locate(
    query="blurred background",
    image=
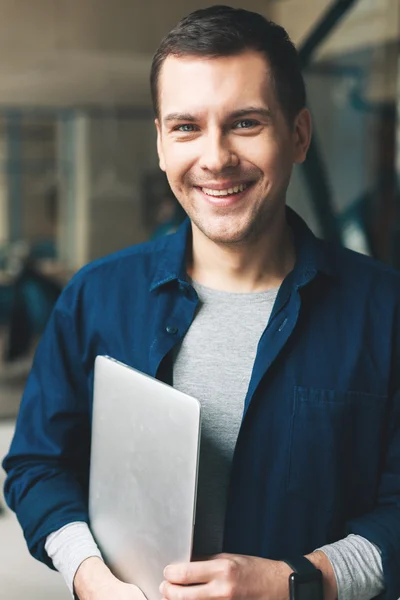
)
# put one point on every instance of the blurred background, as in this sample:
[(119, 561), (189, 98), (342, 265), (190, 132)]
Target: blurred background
[(79, 173)]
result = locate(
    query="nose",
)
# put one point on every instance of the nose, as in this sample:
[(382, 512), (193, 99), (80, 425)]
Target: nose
[(217, 153)]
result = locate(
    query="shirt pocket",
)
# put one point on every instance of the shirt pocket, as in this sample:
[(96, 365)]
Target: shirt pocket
[(335, 448)]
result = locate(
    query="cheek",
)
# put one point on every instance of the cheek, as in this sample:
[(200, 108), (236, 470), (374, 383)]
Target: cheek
[(176, 169), (276, 161), (264, 152), (179, 158)]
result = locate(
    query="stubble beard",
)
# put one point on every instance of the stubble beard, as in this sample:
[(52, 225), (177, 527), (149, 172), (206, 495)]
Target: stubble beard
[(248, 232)]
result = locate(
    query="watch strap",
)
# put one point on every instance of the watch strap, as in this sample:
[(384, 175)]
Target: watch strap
[(300, 564)]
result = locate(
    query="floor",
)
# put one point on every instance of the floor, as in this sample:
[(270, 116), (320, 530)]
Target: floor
[(21, 576)]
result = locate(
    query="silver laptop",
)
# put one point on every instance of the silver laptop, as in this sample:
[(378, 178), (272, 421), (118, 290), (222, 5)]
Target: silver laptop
[(143, 473)]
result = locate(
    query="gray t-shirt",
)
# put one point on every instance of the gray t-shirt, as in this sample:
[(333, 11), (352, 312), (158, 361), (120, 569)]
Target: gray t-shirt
[(214, 364)]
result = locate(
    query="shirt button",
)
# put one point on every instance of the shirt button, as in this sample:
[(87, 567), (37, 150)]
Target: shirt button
[(171, 329)]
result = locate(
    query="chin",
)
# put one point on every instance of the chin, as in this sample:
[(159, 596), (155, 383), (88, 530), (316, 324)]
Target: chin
[(222, 236), (228, 229)]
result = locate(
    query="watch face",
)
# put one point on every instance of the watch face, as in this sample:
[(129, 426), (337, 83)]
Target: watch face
[(306, 587)]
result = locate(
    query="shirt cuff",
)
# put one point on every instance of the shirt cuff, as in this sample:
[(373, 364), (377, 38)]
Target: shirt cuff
[(69, 547), (357, 565)]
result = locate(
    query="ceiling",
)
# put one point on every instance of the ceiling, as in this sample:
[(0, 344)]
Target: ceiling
[(95, 52), (69, 53)]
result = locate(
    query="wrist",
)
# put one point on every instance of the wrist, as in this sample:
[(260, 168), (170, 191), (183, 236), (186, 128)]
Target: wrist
[(322, 562), (283, 572), (91, 575)]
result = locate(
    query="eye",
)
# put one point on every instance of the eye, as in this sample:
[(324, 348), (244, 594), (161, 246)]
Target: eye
[(246, 124), (185, 128)]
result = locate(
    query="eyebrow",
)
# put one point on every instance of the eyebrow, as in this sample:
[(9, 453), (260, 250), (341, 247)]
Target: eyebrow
[(180, 117), (249, 110)]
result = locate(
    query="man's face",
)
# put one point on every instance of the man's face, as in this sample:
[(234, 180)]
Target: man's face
[(225, 144)]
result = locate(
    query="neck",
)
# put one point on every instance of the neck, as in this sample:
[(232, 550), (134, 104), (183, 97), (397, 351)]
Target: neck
[(249, 267)]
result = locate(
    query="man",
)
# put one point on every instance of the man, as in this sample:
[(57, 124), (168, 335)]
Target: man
[(291, 346)]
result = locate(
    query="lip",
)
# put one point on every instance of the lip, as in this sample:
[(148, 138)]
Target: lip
[(224, 201)]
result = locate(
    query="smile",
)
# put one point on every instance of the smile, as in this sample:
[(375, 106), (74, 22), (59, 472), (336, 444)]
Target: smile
[(226, 192)]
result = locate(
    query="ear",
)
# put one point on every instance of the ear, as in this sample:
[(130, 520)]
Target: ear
[(302, 131), (159, 146)]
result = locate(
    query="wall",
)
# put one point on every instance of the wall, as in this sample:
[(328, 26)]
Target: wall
[(102, 165), (121, 153), (38, 178), (27, 170)]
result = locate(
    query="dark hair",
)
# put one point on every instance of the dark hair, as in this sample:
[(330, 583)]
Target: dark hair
[(225, 31)]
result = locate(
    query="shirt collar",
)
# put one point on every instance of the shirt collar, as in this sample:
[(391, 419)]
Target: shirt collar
[(311, 254), (173, 253)]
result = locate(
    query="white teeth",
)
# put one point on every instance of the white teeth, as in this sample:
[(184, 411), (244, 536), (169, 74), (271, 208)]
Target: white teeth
[(227, 192)]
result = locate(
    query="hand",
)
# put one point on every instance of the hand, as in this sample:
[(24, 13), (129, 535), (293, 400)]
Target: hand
[(227, 577), (94, 581), (117, 590)]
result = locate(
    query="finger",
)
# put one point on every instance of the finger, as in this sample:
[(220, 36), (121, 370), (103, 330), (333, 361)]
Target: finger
[(171, 591), (191, 573)]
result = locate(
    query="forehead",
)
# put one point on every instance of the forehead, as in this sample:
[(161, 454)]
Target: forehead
[(193, 83)]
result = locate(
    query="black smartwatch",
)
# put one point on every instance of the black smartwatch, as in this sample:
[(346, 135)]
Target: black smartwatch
[(305, 583)]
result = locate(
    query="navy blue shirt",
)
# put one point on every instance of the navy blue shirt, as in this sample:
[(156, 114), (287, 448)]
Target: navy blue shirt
[(318, 452)]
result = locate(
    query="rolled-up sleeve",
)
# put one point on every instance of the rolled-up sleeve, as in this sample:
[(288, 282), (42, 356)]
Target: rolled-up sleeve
[(382, 525)]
